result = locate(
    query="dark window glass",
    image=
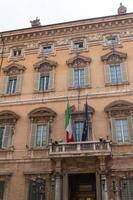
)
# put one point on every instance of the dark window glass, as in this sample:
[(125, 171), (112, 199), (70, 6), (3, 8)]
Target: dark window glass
[(78, 45), (47, 49), (11, 88), (78, 129), (37, 189), (127, 189), (44, 83), (79, 77), (115, 72), (2, 184), (1, 135)]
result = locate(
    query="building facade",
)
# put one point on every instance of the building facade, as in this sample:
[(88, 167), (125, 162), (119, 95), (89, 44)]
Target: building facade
[(42, 69)]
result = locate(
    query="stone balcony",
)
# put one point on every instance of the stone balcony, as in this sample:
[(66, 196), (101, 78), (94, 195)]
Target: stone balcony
[(80, 149)]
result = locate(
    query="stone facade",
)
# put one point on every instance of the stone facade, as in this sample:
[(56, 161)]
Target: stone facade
[(53, 51)]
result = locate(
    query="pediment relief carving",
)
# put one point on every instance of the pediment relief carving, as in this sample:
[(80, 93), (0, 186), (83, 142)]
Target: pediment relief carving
[(14, 69), (42, 114), (8, 116), (119, 108), (45, 65), (78, 61), (114, 56)]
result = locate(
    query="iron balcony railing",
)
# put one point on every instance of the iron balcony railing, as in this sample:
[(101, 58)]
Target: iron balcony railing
[(89, 148)]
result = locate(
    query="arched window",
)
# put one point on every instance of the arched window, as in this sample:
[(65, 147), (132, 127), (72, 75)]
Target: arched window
[(79, 72), (115, 68), (44, 76), (120, 114), (12, 79), (8, 120), (41, 119)]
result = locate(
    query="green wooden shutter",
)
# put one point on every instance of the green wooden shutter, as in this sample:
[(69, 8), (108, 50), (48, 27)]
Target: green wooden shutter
[(4, 84), (33, 135), (87, 76), (47, 139), (36, 83), (124, 73), (7, 136), (130, 126), (19, 83), (51, 79), (113, 130), (71, 77), (107, 74)]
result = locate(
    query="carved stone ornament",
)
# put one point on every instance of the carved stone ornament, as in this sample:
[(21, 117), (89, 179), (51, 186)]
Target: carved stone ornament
[(119, 108), (78, 61), (114, 57), (42, 114), (7, 116), (14, 69), (35, 22), (45, 65), (122, 10)]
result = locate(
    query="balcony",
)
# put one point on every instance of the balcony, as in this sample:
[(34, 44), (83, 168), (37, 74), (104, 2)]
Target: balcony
[(80, 149)]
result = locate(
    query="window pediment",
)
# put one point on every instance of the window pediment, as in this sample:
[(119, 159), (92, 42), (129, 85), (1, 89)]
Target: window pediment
[(14, 69), (41, 113), (8, 116), (78, 61), (119, 108), (114, 56), (45, 64)]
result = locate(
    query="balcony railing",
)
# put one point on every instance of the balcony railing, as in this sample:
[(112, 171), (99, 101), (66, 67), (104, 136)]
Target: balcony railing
[(88, 148)]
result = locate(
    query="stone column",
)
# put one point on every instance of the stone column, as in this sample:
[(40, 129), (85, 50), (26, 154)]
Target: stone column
[(104, 188), (58, 192)]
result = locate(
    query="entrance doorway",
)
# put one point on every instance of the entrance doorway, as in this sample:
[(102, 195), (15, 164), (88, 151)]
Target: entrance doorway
[(82, 186)]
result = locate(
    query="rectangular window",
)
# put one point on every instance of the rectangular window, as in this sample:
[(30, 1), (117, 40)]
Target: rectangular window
[(78, 45), (44, 83), (127, 189), (111, 40), (1, 135), (41, 135), (2, 185), (37, 190), (47, 49), (79, 77), (78, 130), (122, 130), (115, 73), (16, 52), (11, 86)]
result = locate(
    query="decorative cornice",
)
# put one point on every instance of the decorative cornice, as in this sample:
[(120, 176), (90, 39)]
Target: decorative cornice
[(6, 114), (45, 61), (120, 55), (84, 59), (91, 25), (19, 67), (42, 112)]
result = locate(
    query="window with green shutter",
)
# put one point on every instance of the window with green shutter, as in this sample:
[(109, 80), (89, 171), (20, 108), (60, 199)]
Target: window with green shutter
[(12, 79), (121, 121), (44, 76), (79, 72)]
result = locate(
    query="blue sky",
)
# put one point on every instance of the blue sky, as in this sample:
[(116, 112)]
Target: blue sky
[(16, 14)]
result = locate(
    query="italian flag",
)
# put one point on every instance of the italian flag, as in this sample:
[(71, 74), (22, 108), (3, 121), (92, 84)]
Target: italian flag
[(68, 125)]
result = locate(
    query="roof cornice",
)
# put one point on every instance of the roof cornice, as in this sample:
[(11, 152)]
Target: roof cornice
[(93, 24)]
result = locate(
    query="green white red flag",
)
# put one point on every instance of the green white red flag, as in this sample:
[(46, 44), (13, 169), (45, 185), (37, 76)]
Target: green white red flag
[(68, 125)]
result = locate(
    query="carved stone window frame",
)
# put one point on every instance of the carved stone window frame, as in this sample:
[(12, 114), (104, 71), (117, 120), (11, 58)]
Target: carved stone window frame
[(44, 67), (115, 58), (119, 110), (76, 40), (14, 69), (41, 116), (41, 53), (115, 44), (17, 57), (79, 116), (79, 62)]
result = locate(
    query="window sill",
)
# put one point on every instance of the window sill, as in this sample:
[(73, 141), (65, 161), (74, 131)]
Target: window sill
[(122, 144), (38, 148), (46, 91), (9, 95), (116, 84), (105, 46), (40, 55), (11, 58), (77, 88)]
